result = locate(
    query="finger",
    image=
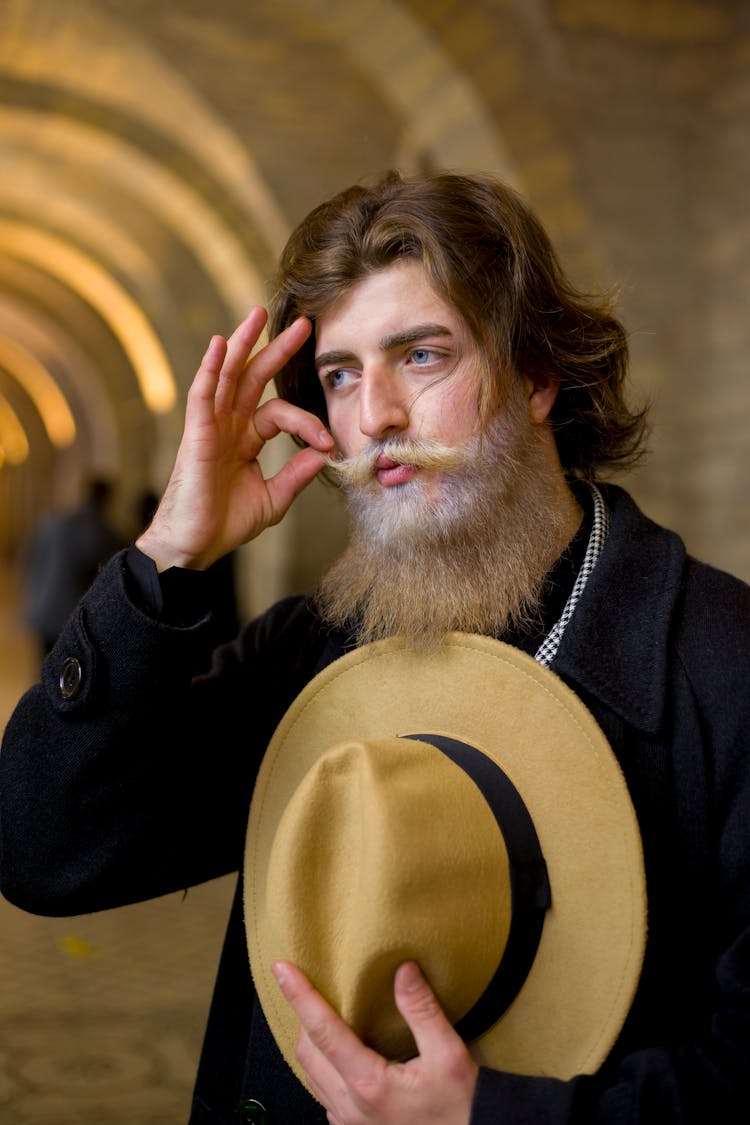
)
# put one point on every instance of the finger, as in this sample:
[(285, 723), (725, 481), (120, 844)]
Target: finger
[(285, 486), (322, 1078), (268, 362), (326, 1031), (417, 1003), (239, 348), (279, 416), (203, 388), (246, 335)]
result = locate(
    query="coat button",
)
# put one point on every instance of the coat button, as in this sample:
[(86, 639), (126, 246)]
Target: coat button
[(251, 1112), (71, 678)]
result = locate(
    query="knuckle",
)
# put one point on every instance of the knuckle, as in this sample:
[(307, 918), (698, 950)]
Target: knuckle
[(319, 1034), (303, 1050), (424, 1005), (367, 1095), (457, 1062)]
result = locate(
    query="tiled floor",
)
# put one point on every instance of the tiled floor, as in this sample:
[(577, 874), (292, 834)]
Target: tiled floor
[(101, 1016)]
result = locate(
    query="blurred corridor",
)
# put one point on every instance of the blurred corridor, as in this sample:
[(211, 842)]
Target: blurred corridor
[(101, 1017)]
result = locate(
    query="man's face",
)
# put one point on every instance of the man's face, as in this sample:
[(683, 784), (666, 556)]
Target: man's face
[(464, 541), (396, 360)]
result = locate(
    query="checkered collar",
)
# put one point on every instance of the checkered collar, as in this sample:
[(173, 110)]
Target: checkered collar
[(547, 651)]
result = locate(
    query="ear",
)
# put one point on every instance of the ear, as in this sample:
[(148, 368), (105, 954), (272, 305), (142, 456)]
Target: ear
[(541, 392)]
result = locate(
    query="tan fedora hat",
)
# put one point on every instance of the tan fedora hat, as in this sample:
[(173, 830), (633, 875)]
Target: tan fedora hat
[(463, 809)]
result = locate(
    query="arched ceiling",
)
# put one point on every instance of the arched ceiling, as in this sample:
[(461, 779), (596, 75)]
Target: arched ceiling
[(138, 207), (155, 155)]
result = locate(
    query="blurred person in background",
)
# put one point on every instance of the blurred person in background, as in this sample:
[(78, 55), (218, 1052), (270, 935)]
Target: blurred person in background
[(65, 553)]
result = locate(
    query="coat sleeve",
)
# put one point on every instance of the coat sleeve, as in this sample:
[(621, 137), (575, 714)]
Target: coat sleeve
[(122, 774)]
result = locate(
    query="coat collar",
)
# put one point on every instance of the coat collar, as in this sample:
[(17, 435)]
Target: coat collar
[(616, 644)]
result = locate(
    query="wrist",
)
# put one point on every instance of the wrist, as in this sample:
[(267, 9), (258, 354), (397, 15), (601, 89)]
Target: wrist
[(166, 555)]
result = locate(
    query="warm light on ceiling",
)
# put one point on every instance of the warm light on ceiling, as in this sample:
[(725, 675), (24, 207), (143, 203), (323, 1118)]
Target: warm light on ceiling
[(13, 441), (43, 391), (107, 158), (114, 304)]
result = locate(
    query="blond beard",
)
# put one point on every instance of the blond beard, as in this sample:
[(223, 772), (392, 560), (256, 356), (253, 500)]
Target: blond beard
[(467, 549)]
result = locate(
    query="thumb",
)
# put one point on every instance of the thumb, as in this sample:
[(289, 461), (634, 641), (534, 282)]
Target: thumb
[(420, 1008)]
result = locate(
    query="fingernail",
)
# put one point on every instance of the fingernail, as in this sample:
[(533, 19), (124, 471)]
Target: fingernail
[(411, 977), (279, 972)]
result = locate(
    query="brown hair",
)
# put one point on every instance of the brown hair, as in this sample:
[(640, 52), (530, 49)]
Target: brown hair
[(489, 256)]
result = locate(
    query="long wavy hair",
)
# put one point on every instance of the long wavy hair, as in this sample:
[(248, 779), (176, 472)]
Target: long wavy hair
[(488, 255)]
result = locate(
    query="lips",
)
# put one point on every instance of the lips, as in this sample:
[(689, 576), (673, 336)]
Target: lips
[(390, 473)]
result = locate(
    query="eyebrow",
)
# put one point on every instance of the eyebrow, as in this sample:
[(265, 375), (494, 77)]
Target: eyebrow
[(387, 343)]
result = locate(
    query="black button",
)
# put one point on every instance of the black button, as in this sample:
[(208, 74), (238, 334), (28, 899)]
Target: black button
[(71, 678), (251, 1112)]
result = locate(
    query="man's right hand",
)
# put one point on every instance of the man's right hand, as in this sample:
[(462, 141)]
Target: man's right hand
[(217, 497)]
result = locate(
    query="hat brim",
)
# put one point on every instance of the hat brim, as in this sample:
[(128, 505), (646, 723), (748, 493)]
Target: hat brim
[(579, 990)]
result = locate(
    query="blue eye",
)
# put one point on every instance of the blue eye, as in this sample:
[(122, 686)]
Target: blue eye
[(341, 377), (421, 356)]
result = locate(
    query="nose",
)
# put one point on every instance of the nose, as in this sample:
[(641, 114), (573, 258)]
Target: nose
[(383, 406)]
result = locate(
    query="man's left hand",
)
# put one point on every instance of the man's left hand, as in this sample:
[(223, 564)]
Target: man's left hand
[(356, 1085)]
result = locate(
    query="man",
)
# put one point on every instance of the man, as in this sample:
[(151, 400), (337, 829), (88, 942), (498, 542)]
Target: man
[(471, 397)]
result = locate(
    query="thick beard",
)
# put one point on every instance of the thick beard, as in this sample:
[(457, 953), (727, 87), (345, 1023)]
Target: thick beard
[(465, 551)]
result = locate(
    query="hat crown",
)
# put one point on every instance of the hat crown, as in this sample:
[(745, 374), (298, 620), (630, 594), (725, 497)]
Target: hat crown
[(387, 852)]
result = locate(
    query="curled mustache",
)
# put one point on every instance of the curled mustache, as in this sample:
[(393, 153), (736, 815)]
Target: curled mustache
[(423, 453)]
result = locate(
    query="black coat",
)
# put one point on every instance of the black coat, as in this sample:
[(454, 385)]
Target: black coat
[(141, 795)]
